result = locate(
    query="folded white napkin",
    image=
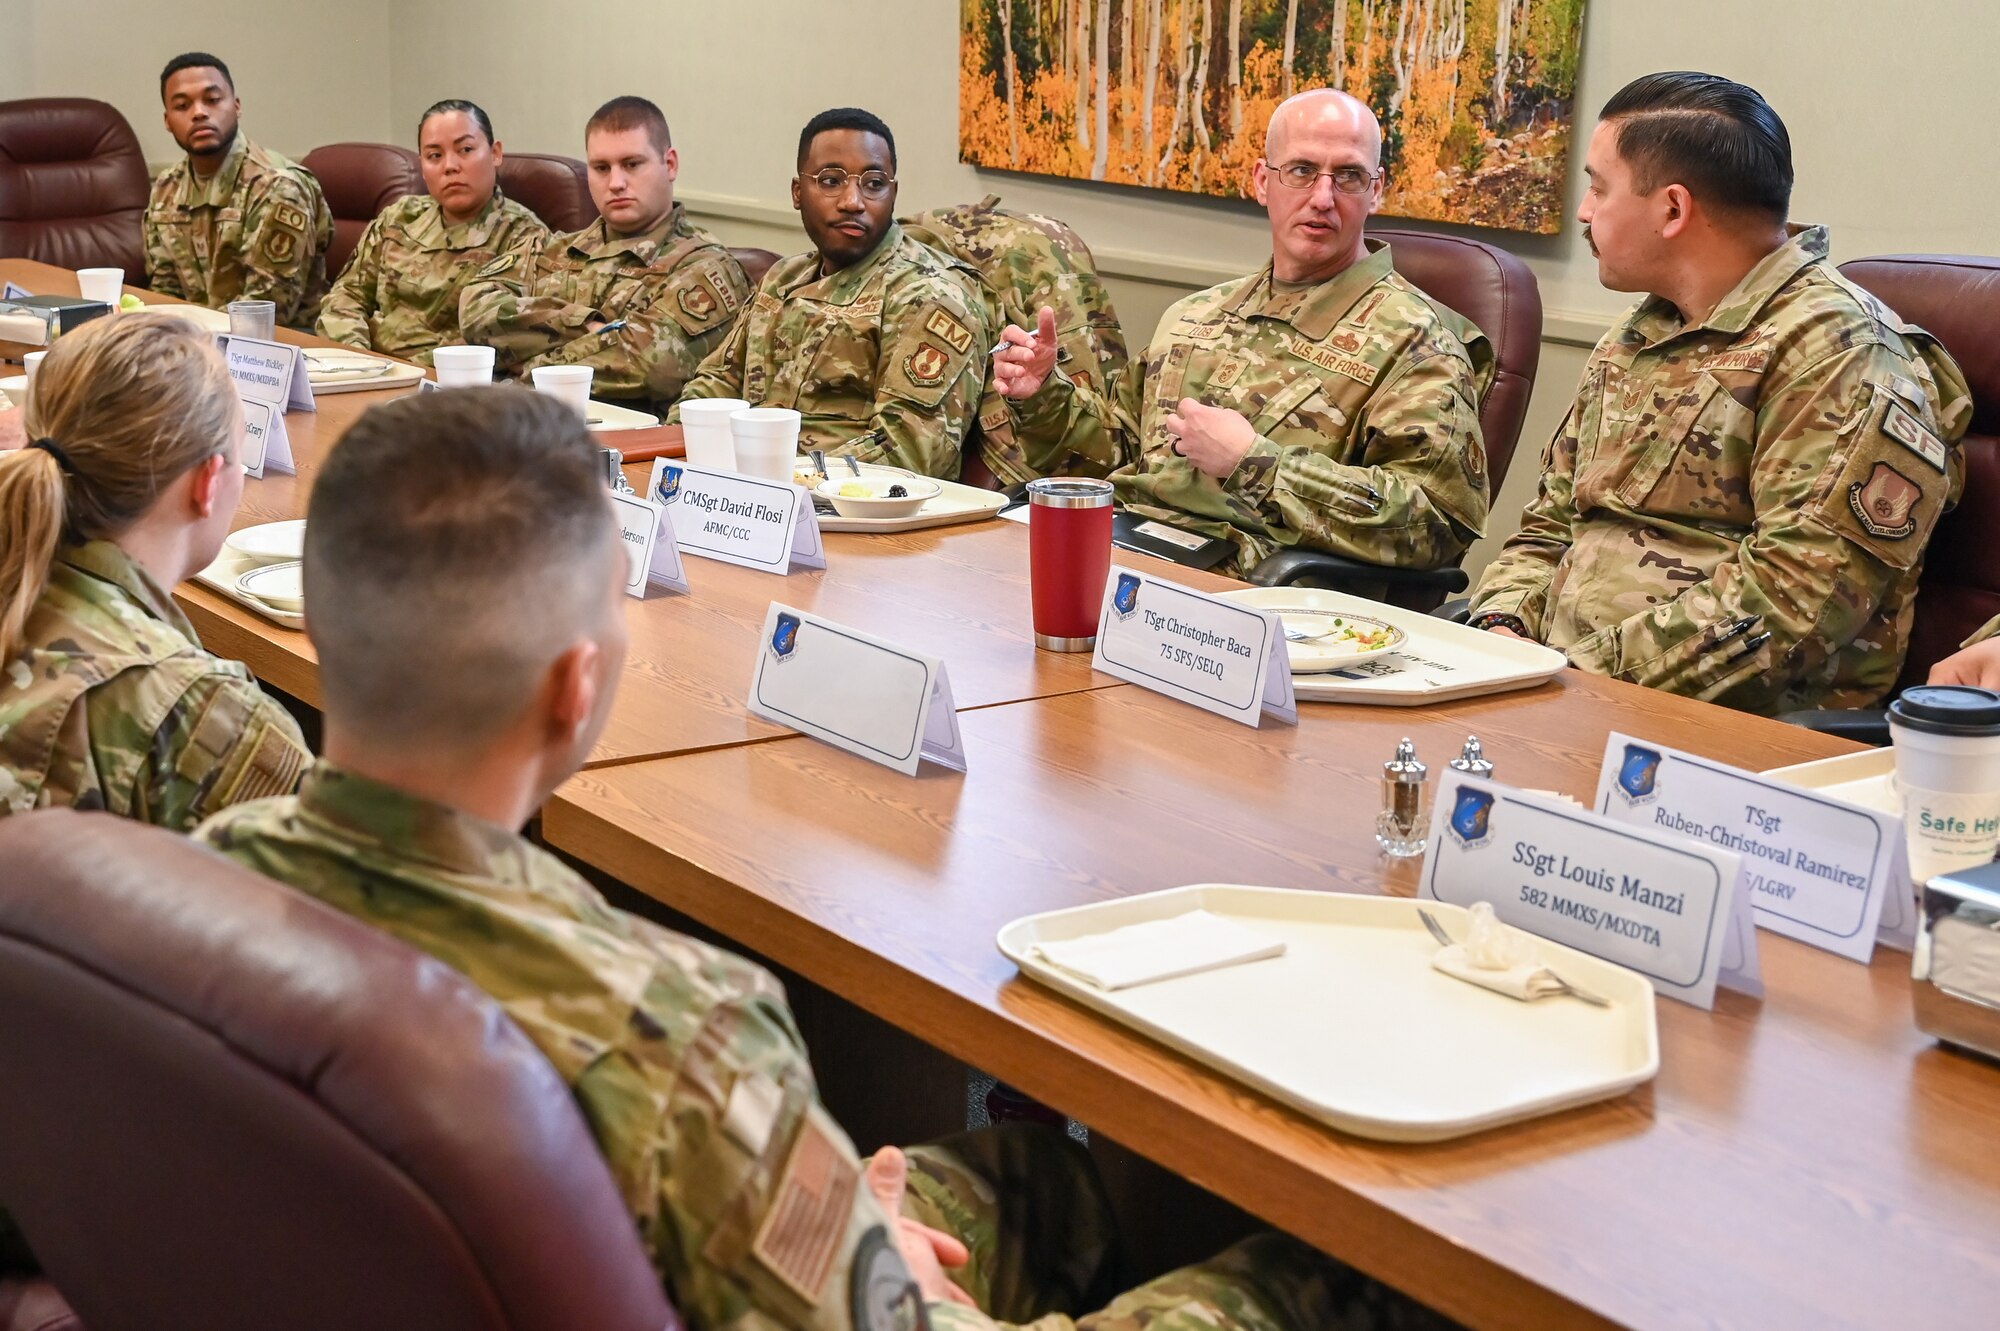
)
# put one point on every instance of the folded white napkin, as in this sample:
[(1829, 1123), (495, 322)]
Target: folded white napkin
[(1497, 958), (1158, 950)]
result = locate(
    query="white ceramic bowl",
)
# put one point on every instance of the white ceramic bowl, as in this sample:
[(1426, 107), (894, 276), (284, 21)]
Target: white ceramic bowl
[(280, 586), (878, 502), (270, 542), (15, 386)]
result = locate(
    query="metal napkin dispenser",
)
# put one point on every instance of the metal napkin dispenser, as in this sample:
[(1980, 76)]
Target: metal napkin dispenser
[(1956, 974)]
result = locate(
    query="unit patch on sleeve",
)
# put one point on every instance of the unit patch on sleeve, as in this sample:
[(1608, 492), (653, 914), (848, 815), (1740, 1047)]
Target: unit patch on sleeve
[(927, 364), (1885, 503)]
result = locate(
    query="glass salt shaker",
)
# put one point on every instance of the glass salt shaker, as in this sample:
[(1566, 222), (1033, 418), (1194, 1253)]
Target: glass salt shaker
[(1403, 828)]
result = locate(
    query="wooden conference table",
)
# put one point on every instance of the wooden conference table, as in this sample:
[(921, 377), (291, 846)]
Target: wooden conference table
[(1809, 1160)]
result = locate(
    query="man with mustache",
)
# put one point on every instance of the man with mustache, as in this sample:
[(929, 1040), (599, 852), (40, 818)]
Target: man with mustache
[(232, 220), (1737, 505)]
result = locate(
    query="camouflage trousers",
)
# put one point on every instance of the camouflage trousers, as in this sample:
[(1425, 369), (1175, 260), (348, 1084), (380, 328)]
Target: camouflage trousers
[(1027, 1203)]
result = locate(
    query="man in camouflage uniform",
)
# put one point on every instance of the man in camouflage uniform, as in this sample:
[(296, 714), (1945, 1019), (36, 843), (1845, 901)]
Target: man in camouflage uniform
[(879, 342), (684, 1059), (232, 220), (114, 705), (1025, 261), (1737, 504), (1323, 403), (641, 295)]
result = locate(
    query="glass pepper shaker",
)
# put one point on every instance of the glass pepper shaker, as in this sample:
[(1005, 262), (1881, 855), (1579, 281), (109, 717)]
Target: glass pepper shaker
[(1472, 761), (1403, 828)]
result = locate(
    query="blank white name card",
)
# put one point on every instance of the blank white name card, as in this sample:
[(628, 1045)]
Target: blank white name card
[(855, 691), (1814, 868), (1659, 905), (1220, 656), (738, 519), (652, 558)]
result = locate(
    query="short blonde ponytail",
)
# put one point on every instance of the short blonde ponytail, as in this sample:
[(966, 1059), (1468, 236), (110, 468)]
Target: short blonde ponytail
[(129, 402)]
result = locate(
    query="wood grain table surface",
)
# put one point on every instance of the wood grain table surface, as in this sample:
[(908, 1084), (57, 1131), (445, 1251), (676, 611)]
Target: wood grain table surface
[(1806, 1161)]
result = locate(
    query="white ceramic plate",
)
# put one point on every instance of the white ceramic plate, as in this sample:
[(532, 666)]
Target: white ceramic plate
[(279, 585), (270, 542), (325, 365), (878, 502), (1350, 637), (15, 386), (1353, 1026)]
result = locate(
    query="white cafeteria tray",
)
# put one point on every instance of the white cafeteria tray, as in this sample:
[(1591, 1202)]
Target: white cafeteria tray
[(603, 416), (1864, 778), (221, 577), (1353, 1027), (953, 503), (1440, 662), (323, 366)]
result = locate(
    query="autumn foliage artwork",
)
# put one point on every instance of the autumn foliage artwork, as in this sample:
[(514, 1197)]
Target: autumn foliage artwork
[(1475, 96)]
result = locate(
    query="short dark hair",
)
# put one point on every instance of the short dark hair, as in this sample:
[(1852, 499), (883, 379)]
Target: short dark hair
[(623, 113), (845, 117), (457, 543), (194, 60), (1719, 138), (450, 104)]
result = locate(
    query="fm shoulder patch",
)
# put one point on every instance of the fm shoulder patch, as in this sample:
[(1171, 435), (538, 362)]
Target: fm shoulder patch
[(1885, 503), (955, 334), (927, 364)]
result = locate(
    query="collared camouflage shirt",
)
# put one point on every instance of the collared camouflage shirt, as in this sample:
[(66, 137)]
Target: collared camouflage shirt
[(1364, 395), (884, 359), (1737, 509), (1023, 262), (399, 292), (671, 295), (255, 230), (114, 705)]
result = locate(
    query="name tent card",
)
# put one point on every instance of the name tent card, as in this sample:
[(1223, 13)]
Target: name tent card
[(653, 560), (1814, 868), (1220, 656), (855, 691), (265, 443), (738, 519), (12, 292), (1659, 906), (273, 372)]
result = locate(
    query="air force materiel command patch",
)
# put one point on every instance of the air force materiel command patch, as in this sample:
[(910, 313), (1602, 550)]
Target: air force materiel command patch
[(1125, 600), (785, 637), (1638, 772), (1471, 816), (1885, 503), (1902, 425), (669, 488), (926, 365), (956, 335)]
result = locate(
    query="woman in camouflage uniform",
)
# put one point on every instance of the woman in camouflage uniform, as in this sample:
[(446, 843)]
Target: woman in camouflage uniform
[(127, 486)]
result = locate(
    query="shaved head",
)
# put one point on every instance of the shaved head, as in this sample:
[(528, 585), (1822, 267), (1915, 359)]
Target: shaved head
[(1328, 111)]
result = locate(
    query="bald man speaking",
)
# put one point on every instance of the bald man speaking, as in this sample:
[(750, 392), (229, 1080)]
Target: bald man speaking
[(1323, 403)]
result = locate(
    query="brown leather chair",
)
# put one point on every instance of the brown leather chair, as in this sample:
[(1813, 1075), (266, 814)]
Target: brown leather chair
[(34, 1305), (1956, 298), (73, 185), (359, 181), (228, 1106), (755, 263), (1498, 292), (553, 188)]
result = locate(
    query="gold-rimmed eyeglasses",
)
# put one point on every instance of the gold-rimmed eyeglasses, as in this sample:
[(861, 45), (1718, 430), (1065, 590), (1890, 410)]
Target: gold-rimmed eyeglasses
[(832, 182)]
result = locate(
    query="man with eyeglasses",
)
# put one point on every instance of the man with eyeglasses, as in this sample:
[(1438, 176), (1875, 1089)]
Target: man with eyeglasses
[(1737, 505), (1323, 403), (879, 342), (641, 295)]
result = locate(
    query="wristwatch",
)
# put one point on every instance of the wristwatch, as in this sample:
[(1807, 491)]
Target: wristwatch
[(1493, 620)]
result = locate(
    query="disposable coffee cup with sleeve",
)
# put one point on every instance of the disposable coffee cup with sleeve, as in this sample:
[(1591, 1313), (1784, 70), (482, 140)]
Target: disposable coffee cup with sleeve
[(1947, 747)]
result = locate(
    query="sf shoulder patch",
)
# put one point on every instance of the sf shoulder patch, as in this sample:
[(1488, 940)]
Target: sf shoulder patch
[(1885, 503), (1902, 425), (927, 364), (955, 334), (802, 1232)]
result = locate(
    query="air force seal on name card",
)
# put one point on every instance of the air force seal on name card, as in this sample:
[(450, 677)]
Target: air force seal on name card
[(785, 637), (1637, 772), (668, 488), (1125, 598), (1471, 817)]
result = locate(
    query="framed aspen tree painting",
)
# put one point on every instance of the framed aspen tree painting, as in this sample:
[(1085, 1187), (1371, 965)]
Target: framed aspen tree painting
[(1475, 96)]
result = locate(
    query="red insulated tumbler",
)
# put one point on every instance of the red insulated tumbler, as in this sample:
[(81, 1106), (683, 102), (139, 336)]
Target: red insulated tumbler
[(1069, 558)]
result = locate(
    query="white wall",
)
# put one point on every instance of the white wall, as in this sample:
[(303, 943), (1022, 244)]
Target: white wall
[(1887, 107)]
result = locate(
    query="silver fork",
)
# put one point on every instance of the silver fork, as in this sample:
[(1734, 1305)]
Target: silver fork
[(1304, 635), (1446, 940)]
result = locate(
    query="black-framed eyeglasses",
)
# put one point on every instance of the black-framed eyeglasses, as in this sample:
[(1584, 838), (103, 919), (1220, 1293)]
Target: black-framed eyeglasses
[(832, 182), (1346, 179)]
